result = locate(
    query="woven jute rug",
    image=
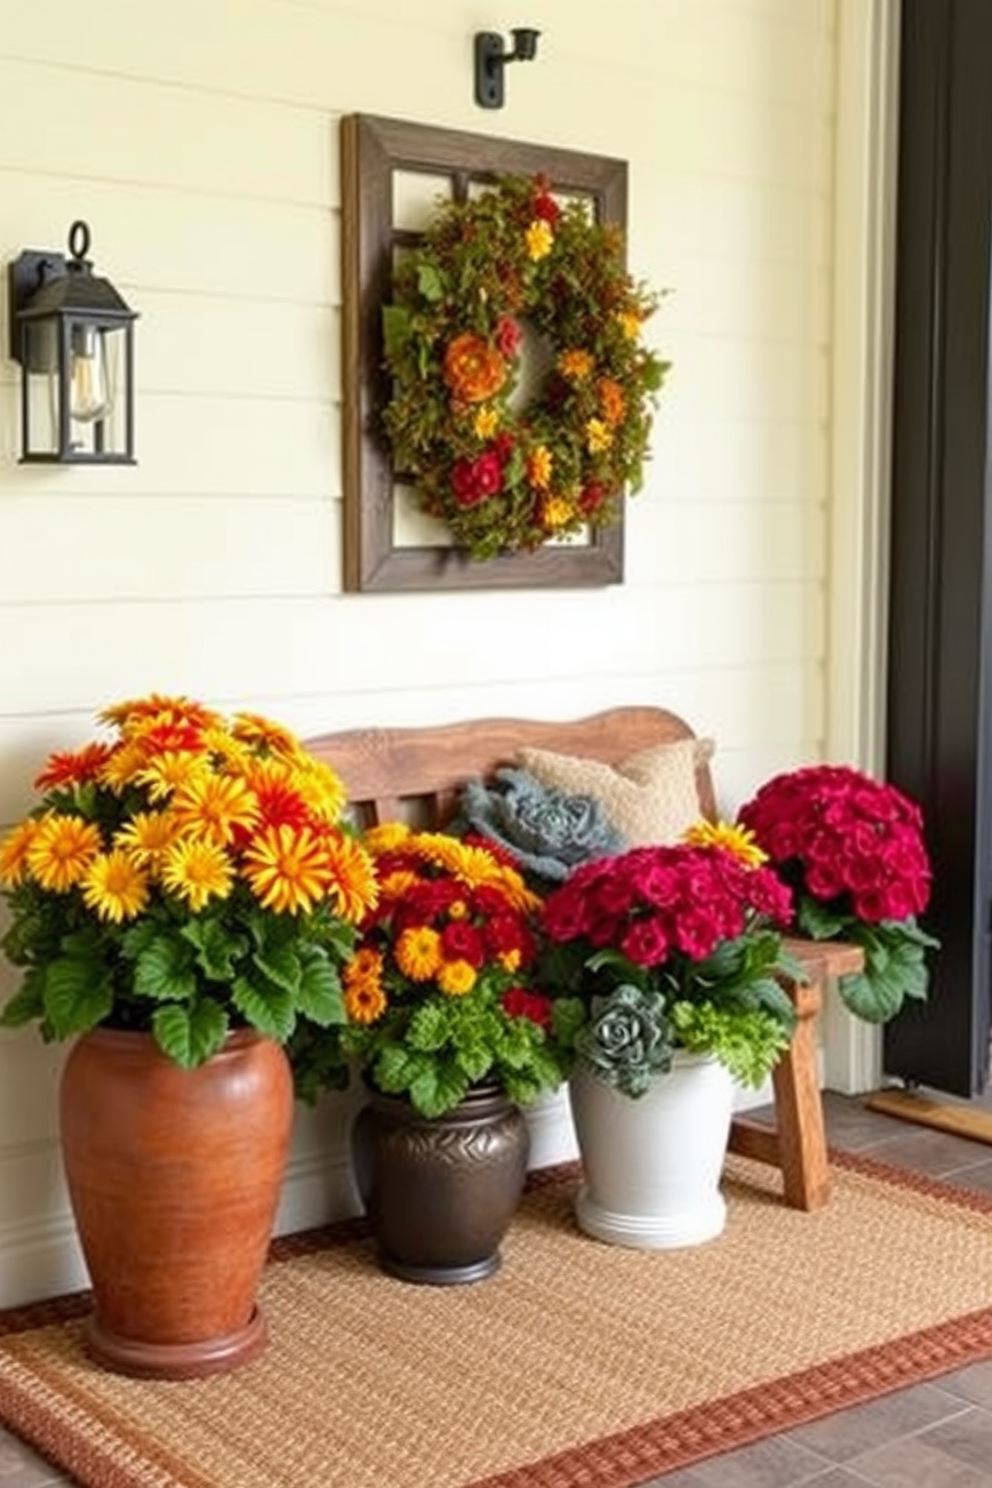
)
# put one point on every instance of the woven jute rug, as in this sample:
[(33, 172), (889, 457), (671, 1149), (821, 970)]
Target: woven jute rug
[(578, 1363)]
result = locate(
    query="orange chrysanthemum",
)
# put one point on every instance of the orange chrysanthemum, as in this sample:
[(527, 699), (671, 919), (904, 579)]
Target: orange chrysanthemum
[(352, 881), (215, 807), (14, 853), (418, 953), (287, 870), (61, 851)]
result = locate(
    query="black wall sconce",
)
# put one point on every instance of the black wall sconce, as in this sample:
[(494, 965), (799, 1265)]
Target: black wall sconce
[(72, 333), (490, 59)]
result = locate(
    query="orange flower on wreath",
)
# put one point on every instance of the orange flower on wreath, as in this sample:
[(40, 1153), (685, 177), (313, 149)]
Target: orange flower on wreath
[(612, 403), (473, 370)]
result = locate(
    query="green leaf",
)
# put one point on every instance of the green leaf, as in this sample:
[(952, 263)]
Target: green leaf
[(78, 995), (319, 997), (436, 1089), (164, 970), (190, 1035), (218, 949), (818, 922), (395, 329), (27, 1003), (268, 1008), (429, 282), (281, 967)]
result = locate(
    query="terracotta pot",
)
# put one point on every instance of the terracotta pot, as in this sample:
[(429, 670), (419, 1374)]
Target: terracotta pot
[(174, 1177), (652, 1165), (440, 1193)]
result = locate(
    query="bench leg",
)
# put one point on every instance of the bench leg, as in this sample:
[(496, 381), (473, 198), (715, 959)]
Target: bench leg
[(799, 1111), (798, 1144)]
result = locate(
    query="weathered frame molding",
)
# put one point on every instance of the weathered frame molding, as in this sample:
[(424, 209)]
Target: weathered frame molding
[(372, 150)]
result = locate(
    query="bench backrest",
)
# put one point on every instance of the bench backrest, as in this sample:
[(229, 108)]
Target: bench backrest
[(414, 774)]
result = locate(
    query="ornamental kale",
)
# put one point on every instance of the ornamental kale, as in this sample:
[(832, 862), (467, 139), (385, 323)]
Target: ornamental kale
[(547, 832)]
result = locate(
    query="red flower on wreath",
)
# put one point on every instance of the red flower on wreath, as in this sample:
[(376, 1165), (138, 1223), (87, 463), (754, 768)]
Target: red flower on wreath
[(474, 480)]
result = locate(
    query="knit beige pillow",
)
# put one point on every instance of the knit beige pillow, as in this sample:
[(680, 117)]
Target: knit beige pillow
[(650, 798)]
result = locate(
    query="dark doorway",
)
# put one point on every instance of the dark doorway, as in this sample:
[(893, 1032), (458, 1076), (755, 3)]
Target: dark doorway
[(940, 643)]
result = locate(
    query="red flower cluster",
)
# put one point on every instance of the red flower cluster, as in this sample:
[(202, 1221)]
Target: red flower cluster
[(450, 916), (657, 905), (844, 839)]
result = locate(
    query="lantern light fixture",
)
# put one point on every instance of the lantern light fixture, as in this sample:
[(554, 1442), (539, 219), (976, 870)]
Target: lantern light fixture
[(72, 334), (490, 60)]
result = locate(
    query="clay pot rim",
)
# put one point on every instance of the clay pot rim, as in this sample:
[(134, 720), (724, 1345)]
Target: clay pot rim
[(133, 1038)]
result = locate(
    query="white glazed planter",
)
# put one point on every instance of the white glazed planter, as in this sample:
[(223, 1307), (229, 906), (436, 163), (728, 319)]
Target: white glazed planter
[(652, 1165)]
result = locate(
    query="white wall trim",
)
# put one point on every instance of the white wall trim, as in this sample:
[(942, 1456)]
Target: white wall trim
[(861, 388)]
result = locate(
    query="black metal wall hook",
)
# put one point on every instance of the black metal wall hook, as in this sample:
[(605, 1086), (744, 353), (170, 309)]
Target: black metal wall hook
[(490, 60)]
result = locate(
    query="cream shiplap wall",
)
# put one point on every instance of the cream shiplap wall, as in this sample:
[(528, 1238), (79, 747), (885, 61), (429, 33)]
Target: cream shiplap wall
[(199, 140)]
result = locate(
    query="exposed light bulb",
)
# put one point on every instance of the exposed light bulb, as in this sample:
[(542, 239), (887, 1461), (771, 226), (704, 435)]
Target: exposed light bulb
[(89, 386)]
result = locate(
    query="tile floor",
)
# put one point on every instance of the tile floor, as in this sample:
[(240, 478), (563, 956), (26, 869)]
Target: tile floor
[(937, 1435)]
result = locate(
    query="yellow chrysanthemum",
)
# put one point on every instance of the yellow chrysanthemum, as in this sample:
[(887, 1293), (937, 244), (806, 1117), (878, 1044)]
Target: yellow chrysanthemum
[(485, 423), (398, 884), (171, 771), (320, 787), (235, 754), (287, 869), (598, 436), (122, 766), (115, 887), (353, 885), (556, 511), (61, 850), (539, 465), (740, 841), (147, 836), (135, 713), (455, 978), (539, 239), (418, 952), (575, 365), (387, 837), (14, 853), (476, 866), (215, 807), (254, 729), (197, 871), (630, 324), (364, 997), (510, 960)]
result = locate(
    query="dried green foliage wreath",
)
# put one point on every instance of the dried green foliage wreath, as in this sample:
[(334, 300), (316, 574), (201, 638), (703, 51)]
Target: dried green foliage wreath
[(506, 478)]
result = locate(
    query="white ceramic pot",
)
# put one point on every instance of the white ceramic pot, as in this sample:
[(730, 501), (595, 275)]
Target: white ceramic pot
[(652, 1165)]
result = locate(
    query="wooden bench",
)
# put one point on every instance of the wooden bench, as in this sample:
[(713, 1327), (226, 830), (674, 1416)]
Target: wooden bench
[(414, 774)]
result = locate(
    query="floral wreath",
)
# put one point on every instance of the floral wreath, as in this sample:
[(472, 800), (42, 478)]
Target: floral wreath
[(505, 478)]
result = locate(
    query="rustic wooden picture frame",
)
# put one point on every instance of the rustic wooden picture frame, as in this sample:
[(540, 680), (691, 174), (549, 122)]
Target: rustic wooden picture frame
[(373, 150)]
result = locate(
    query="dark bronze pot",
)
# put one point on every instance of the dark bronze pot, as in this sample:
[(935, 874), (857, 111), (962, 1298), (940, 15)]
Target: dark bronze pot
[(440, 1192)]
